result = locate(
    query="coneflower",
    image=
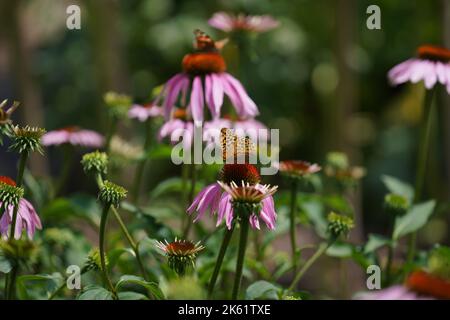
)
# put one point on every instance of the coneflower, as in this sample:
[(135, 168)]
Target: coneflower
[(181, 254), (205, 72), (74, 136), (241, 22)]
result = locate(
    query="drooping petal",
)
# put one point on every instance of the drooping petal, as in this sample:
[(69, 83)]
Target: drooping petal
[(244, 106), (196, 104), (172, 89), (214, 94), (254, 222)]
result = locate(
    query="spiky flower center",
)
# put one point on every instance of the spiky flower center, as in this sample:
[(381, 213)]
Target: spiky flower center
[(181, 254), (429, 285), (434, 53), (199, 63), (10, 194), (239, 173), (27, 139)]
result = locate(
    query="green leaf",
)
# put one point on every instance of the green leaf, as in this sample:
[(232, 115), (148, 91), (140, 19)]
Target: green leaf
[(5, 264), (51, 282), (262, 290), (399, 187), (340, 250), (130, 295), (414, 219), (93, 292), (152, 287), (161, 151), (375, 242)]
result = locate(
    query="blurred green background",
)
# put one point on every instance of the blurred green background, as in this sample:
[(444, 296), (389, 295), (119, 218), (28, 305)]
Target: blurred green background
[(320, 77)]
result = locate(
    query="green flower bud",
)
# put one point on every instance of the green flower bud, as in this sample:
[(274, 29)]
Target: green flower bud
[(93, 261), (27, 139), (395, 204), (439, 262), (112, 194), (339, 225), (118, 104), (95, 162), (337, 160)]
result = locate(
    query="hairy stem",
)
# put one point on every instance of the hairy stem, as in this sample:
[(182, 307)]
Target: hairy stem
[(244, 224)]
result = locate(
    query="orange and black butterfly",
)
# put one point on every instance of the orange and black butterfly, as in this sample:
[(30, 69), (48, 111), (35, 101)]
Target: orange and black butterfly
[(235, 147), (203, 42)]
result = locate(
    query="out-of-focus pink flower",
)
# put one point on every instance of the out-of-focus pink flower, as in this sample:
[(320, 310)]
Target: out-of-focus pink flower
[(204, 77), (143, 112), (228, 22), (27, 219), (217, 198), (397, 292), (74, 136), (432, 66)]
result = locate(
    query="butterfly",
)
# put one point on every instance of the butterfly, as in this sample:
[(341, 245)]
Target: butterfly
[(234, 146), (203, 42)]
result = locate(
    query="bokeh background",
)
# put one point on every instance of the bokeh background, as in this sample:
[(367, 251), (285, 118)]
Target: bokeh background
[(320, 77)]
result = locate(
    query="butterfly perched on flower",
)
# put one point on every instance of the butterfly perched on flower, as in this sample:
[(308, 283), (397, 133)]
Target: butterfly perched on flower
[(235, 147), (203, 42)]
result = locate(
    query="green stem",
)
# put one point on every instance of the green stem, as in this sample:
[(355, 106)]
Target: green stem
[(244, 224), (322, 248), (111, 132), (141, 166), (223, 249), (68, 162), (106, 277), (425, 132), (292, 224), (190, 199), (125, 231), (58, 290), (11, 280), (389, 265)]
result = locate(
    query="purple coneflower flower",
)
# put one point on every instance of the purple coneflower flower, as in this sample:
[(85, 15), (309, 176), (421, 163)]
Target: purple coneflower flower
[(143, 112), (204, 71), (27, 217), (298, 168), (432, 65), (219, 197), (74, 136), (397, 292), (228, 22)]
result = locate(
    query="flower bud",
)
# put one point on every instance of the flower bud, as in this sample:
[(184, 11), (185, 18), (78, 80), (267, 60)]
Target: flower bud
[(339, 225), (95, 162), (112, 194), (439, 262), (93, 261), (10, 194), (118, 104), (395, 204), (27, 139)]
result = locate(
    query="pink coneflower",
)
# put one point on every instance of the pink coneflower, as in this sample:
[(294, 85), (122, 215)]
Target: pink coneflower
[(27, 217), (181, 123), (397, 292), (228, 22), (298, 167), (74, 136), (238, 183), (431, 66), (143, 112), (204, 71)]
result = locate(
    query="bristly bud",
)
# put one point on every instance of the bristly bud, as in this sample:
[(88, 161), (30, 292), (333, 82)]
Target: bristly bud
[(93, 261), (395, 204), (10, 194), (339, 225), (439, 262), (118, 104), (27, 139), (181, 254), (95, 162), (112, 194), (337, 160)]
